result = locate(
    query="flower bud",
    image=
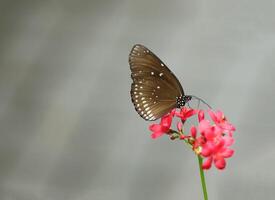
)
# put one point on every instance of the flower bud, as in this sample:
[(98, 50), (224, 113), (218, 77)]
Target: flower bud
[(179, 126)]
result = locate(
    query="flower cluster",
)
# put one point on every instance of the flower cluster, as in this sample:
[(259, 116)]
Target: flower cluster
[(213, 141)]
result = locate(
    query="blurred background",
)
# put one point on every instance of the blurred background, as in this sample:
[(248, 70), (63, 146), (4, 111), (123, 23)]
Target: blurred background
[(68, 129)]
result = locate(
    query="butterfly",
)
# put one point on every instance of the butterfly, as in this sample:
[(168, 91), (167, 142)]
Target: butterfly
[(155, 90)]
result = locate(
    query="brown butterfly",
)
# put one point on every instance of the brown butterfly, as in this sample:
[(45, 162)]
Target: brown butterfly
[(155, 89)]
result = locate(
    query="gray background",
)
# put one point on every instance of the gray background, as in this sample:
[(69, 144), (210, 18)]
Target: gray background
[(68, 129)]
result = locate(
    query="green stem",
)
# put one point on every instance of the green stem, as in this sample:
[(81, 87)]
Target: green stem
[(203, 184)]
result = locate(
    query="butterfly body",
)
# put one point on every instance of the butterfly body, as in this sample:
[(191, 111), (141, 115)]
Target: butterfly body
[(181, 100), (155, 89)]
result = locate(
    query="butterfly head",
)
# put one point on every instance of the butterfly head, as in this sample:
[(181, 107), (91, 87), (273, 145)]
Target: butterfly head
[(182, 100)]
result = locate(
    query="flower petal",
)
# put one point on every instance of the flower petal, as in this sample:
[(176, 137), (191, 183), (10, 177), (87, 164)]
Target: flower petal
[(190, 113), (212, 115), (220, 163), (227, 153), (204, 126), (206, 150), (228, 141), (193, 131), (227, 126), (185, 113), (219, 115), (179, 126), (156, 135), (166, 121), (155, 128), (207, 163), (172, 113)]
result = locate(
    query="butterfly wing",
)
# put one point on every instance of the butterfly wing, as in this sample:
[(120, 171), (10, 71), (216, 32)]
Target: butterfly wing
[(155, 88)]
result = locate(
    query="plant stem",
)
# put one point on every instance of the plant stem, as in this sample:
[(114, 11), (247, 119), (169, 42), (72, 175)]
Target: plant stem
[(203, 184)]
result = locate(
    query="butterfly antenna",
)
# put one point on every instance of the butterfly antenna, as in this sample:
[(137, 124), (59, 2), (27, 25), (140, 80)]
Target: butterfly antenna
[(201, 100), (199, 103)]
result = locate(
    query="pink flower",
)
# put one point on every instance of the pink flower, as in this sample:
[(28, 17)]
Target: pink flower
[(217, 152), (210, 139), (221, 121), (215, 146), (209, 131), (185, 113), (162, 128)]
